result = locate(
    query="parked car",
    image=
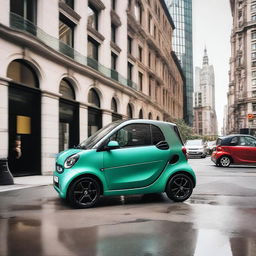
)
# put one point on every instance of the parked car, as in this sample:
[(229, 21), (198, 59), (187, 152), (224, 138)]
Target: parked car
[(235, 149), (125, 157), (196, 148), (210, 146)]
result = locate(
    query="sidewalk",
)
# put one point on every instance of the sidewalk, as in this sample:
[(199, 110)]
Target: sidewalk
[(27, 182)]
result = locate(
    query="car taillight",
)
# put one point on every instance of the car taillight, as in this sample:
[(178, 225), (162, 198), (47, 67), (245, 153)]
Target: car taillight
[(218, 148), (184, 150)]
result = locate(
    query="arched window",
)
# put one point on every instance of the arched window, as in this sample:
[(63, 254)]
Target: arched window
[(21, 72), (66, 90), (113, 105), (150, 115), (93, 98), (129, 110), (157, 118), (141, 114)]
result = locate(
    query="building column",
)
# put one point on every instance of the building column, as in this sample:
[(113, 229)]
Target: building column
[(106, 117), (4, 17), (50, 131), (3, 118), (83, 122)]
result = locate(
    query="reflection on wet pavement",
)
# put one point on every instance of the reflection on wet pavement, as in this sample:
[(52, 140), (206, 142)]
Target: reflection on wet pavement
[(218, 220)]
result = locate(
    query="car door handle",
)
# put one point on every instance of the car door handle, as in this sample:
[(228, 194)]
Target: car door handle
[(163, 145)]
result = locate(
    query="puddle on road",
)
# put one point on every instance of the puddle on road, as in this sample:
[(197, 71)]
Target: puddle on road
[(140, 237)]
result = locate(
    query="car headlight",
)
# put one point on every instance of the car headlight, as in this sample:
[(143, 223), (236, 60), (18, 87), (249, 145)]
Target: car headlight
[(71, 160)]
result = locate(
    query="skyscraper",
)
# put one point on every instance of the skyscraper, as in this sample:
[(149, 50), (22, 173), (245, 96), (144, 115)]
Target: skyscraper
[(242, 79), (205, 120), (181, 12)]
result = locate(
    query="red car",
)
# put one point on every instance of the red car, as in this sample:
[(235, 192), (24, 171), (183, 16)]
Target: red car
[(235, 149)]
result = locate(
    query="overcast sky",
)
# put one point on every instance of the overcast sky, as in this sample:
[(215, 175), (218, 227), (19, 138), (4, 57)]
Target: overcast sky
[(212, 23)]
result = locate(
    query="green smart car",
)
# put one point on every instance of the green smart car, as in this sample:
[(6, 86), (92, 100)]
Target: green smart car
[(123, 158)]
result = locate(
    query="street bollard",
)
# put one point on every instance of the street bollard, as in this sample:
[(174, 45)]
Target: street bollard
[(6, 177)]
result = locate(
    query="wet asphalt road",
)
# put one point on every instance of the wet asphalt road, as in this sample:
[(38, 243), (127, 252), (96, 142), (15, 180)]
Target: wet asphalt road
[(218, 220)]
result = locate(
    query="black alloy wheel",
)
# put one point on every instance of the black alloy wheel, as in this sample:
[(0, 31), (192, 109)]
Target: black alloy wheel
[(179, 187), (84, 192)]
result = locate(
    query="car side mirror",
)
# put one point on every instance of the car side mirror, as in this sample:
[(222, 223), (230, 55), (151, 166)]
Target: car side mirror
[(113, 145)]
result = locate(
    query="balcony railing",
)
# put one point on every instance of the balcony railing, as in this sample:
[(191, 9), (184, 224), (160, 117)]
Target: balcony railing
[(19, 23)]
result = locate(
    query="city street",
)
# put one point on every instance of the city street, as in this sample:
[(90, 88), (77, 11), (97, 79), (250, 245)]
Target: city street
[(218, 220)]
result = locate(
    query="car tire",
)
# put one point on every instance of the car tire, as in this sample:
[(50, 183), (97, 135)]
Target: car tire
[(224, 161), (84, 192), (179, 188)]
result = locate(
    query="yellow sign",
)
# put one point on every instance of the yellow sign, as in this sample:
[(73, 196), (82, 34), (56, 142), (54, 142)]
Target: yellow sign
[(23, 125)]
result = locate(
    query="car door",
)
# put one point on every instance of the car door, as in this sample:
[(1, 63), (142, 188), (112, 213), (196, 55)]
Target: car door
[(248, 149), (138, 162)]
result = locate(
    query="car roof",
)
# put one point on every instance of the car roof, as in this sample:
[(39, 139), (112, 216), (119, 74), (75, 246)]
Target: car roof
[(233, 135), (145, 121)]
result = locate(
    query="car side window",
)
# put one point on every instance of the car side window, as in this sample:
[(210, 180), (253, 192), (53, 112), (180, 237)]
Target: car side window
[(157, 135), (234, 141), (247, 141), (133, 135)]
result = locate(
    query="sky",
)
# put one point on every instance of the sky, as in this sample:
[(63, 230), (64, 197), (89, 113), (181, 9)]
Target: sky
[(212, 24)]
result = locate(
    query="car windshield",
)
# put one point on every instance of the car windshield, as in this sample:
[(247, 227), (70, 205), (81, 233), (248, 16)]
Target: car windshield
[(194, 142), (96, 137)]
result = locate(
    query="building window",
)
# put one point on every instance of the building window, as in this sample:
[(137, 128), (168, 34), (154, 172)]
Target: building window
[(92, 49), (155, 31), (253, 73), (66, 31), (254, 94), (149, 87), (25, 9), (253, 55), (138, 12), (253, 34), (149, 59), (129, 111), (141, 114), (140, 81), (140, 53), (129, 70), (129, 39), (70, 3), (149, 22), (254, 107), (253, 7), (93, 17), (253, 17), (113, 105), (114, 73), (66, 90), (150, 115), (113, 61), (113, 4), (253, 46), (253, 82), (254, 64), (20, 72), (113, 33)]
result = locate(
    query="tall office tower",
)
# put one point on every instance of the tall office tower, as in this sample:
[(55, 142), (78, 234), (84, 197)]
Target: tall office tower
[(242, 78), (181, 12), (205, 120)]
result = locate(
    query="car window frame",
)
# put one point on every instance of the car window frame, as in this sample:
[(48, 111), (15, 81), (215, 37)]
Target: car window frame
[(103, 145)]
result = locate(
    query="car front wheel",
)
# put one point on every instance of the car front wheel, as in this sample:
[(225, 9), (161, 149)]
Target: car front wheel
[(224, 161), (179, 187), (84, 192)]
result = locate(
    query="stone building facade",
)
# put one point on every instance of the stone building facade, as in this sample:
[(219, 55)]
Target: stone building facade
[(242, 75), (205, 119), (70, 67)]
